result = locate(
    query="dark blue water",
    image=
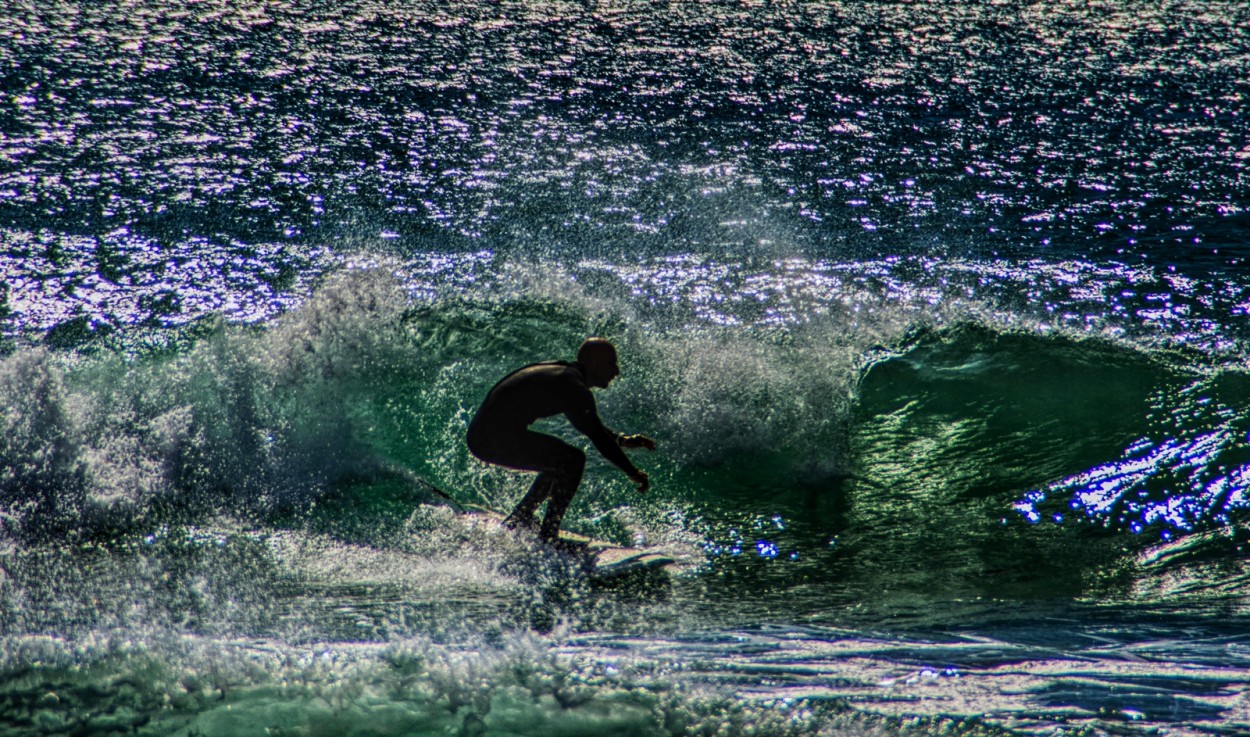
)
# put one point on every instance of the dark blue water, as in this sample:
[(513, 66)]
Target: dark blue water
[(939, 314)]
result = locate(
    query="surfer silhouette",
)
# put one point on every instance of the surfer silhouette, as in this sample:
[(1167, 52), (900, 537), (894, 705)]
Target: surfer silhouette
[(500, 432)]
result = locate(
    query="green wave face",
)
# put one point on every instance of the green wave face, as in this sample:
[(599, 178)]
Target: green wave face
[(965, 460)]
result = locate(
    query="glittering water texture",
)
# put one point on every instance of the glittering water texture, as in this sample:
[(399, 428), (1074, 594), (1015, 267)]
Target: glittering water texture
[(1113, 128), (136, 134), (938, 313)]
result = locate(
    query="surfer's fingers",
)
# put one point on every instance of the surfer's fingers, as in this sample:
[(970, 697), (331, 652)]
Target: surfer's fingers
[(641, 441)]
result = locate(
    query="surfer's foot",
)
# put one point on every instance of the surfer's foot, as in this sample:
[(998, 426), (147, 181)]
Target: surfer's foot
[(568, 546), (520, 522)]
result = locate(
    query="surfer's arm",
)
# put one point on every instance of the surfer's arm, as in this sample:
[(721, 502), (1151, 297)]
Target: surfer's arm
[(609, 444), (635, 441), (588, 423), (586, 419)]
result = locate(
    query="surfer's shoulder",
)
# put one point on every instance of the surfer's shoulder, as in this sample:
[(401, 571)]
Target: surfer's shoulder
[(543, 368), (546, 372), (563, 370)]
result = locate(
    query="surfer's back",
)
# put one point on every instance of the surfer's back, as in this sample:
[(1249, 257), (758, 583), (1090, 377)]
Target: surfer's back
[(535, 391)]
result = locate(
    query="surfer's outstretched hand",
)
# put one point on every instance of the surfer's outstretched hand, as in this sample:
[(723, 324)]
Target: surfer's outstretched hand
[(637, 441), (642, 480)]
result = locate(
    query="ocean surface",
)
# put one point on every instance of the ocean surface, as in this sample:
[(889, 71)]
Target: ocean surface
[(939, 313)]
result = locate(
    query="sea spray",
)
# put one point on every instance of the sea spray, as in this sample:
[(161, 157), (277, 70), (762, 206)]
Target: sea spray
[(242, 421), (43, 475)]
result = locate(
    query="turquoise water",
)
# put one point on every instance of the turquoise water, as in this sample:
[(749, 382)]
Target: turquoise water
[(937, 312)]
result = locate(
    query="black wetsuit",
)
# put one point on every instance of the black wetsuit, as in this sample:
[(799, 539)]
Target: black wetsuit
[(500, 434)]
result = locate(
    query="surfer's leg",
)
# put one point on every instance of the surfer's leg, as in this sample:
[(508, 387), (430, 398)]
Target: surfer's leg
[(559, 466), (563, 488), (523, 514)]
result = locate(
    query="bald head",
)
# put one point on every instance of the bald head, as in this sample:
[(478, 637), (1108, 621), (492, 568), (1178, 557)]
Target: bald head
[(596, 349), (598, 357)]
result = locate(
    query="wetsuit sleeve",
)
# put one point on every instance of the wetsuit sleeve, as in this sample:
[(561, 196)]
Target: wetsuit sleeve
[(585, 417)]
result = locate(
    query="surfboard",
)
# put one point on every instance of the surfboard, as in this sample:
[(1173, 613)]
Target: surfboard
[(603, 561)]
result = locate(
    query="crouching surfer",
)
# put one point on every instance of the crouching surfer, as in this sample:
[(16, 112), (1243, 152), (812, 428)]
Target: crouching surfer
[(500, 432)]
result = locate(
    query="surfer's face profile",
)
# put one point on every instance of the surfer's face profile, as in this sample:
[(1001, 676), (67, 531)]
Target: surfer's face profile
[(601, 373), (598, 359)]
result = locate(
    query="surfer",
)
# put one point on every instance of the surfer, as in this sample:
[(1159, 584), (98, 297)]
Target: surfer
[(500, 434)]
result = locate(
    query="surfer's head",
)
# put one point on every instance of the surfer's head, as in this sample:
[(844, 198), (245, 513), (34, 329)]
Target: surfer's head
[(597, 358)]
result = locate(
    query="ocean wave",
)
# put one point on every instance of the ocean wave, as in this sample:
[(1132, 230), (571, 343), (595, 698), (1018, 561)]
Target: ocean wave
[(873, 411)]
